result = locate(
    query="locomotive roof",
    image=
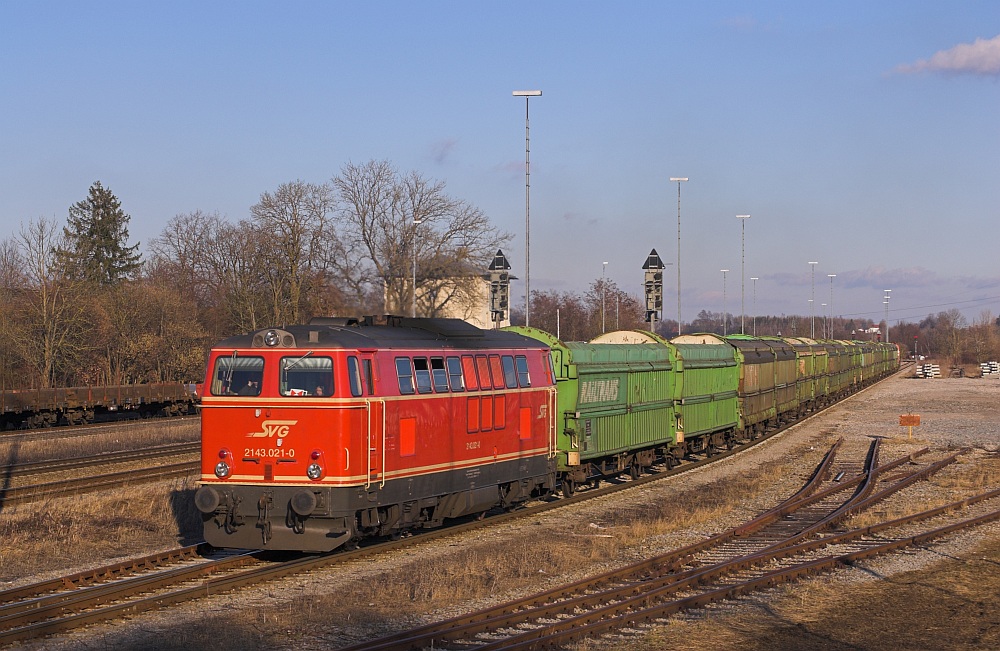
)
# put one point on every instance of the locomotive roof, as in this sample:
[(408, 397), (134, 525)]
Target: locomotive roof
[(380, 332)]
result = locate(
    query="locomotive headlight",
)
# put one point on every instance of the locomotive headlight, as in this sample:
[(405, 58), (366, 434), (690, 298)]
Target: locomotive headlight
[(315, 469), (222, 470), (271, 338)]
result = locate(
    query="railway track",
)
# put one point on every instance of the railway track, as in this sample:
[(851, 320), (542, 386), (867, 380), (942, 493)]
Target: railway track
[(75, 431), (789, 542), (15, 491)]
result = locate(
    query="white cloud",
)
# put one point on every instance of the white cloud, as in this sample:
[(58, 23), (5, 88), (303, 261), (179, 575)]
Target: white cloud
[(979, 58)]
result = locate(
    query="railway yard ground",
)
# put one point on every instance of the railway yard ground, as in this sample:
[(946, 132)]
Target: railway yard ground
[(941, 596)]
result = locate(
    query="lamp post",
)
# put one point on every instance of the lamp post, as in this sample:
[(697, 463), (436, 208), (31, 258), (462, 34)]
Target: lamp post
[(812, 302), (725, 320), (527, 94), (604, 293), (826, 321), (754, 279), (679, 180), (743, 254), (416, 222), (886, 301), (831, 277)]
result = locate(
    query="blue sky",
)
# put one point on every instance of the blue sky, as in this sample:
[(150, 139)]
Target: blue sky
[(861, 135)]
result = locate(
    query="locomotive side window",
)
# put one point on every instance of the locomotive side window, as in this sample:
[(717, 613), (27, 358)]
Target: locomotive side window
[(486, 416), (522, 371), (439, 375), (496, 369), (455, 374), (509, 375), (306, 376), (469, 366), (236, 375), (423, 374), (354, 374), (483, 366), (405, 374), (500, 411)]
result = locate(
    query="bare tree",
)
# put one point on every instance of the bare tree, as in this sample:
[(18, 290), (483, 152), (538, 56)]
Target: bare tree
[(295, 219), (388, 221), (51, 313), (12, 283)]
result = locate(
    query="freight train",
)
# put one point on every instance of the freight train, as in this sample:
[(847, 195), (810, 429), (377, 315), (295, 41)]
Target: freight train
[(36, 408), (315, 436)]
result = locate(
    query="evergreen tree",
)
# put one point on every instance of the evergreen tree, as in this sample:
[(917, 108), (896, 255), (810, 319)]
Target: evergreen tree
[(96, 240)]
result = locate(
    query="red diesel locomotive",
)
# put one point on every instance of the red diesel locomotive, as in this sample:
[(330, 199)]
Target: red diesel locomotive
[(314, 436)]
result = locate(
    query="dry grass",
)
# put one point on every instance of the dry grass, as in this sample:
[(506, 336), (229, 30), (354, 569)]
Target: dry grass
[(61, 534)]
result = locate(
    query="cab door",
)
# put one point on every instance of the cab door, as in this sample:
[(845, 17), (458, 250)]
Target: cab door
[(363, 376)]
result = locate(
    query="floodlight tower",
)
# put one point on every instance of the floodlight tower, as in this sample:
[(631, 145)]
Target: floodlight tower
[(812, 302), (527, 95), (679, 180), (743, 254)]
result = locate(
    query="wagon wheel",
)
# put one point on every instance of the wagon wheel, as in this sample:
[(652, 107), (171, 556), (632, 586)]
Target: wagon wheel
[(634, 470), (671, 462), (568, 487)]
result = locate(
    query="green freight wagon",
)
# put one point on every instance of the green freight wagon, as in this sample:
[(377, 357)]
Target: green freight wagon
[(786, 378), (615, 406), (710, 378), (854, 368), (838, 368), (811, 383), (765, 390)]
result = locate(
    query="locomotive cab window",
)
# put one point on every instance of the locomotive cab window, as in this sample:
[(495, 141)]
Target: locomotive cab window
[(237, 376), (306, 376), (354, 375)]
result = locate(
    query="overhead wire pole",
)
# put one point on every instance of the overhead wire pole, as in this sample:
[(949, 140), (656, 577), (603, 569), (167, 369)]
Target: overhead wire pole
[(886, 301), (743, 254), (831, 277), (679, 180), (725, 317), (812, 302), (604, 293), (527, 95)]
